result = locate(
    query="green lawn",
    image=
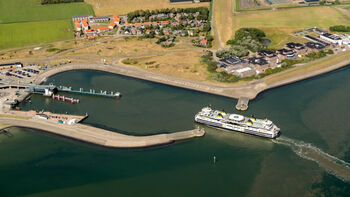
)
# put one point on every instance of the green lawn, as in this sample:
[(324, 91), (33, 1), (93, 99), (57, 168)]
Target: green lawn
[(27, 22), (23, 34), (12, 11)]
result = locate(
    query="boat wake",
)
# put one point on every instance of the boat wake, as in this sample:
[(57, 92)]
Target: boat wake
[(330, 163)]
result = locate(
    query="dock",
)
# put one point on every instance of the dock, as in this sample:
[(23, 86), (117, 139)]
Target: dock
[(91, 92), (242, 103)]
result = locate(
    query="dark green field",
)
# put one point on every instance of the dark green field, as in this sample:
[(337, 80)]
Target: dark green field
[(13, 11), (27, 22), (25, 34)]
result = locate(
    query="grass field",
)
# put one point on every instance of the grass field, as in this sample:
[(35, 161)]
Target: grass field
[(12, 11), (109, 7), (24, 34), (27, 22), (279, 36), (280, 24), (223, 19), (294, 17)]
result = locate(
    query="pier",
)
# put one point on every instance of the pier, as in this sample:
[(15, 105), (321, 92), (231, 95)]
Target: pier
[(65, 99), (242, 103), (91, 92)]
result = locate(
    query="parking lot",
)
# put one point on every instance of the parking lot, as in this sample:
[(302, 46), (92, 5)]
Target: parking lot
[(24, 74)]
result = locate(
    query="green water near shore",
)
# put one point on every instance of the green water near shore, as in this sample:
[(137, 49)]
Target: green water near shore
[(314, 111)]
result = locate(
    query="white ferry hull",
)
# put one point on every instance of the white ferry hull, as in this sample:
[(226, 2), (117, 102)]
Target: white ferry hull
[(235, 128)]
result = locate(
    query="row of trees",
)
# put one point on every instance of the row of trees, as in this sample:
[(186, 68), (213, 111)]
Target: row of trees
[(43, 2), (203, 12), (340, 28)]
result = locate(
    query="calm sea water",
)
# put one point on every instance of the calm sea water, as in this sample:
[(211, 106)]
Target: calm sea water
[(315, 111)]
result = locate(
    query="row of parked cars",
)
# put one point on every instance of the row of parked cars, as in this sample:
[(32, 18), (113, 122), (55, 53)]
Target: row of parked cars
[(17, 73), (31, 70)]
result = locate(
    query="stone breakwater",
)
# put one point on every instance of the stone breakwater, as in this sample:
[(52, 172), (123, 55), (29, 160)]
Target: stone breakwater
[(103, 137)]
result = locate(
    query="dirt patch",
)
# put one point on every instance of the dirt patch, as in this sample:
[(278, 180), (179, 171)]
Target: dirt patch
[(179, 64), (130, 46)]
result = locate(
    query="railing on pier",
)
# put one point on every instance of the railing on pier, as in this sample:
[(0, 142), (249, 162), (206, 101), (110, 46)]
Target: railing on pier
[(90, 92)]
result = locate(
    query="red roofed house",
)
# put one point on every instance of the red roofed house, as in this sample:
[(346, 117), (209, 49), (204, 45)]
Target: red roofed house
[(85, 26), (138, 24), (90, 32), (116, 21), (77, 26), (112, 26), (102, 29), (165, 22), (147, 23), (148, 31), (204, 42)]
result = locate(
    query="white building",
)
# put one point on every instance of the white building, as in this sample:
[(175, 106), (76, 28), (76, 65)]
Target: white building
[(332, 38)]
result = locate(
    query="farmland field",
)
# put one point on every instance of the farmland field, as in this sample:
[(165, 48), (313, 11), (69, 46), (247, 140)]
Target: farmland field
[(280, 24), (12, 11), (103, 7), (296, 17), (223, 18), (30, 33)]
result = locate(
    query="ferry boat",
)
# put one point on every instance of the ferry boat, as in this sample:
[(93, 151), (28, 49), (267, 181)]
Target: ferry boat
[(238, 123)]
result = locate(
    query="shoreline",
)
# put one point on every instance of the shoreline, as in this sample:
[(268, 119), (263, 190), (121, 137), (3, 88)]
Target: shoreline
[(102, 137), (250, 90)]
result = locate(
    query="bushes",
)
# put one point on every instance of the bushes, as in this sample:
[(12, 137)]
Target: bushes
[(224, 77), (235, 50), (43, 2), (250, 38), (129, 61), (209, 61), (340, 28)]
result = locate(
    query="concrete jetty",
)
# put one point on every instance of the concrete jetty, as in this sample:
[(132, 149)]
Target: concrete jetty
[(103, 137), (242, 103)]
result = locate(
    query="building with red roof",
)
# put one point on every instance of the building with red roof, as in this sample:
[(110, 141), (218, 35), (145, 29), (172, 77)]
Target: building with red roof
[(77, 26), (112, 26), (116, 21), (204, 42), (85, 26), (102, 29)]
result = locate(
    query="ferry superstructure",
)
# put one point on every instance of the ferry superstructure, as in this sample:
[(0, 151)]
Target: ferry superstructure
[(239, 123)]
